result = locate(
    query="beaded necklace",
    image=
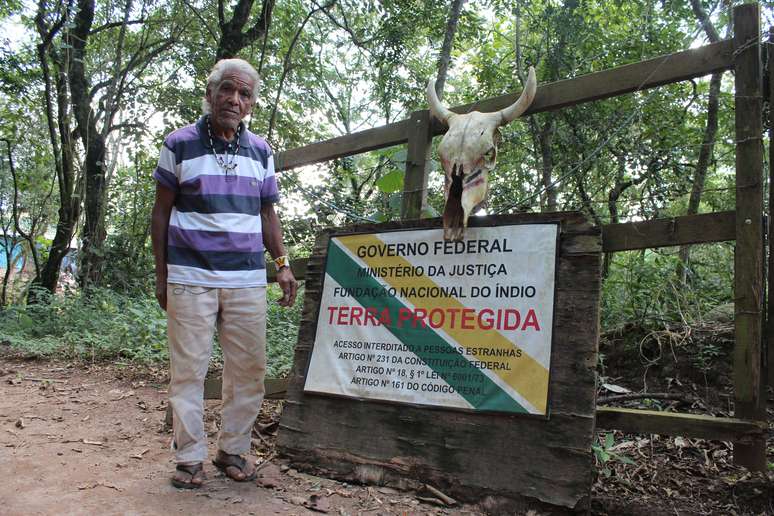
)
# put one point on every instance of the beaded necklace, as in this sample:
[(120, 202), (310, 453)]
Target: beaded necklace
[(228, 164)]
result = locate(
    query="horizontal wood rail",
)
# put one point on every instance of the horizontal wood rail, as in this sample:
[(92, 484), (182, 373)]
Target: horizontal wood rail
[(686, 425), (275, 389), (608, 418), (684, 230), (629, 236), (666, 69)]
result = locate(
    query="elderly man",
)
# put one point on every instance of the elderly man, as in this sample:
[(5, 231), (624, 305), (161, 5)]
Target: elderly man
[(213, 216)]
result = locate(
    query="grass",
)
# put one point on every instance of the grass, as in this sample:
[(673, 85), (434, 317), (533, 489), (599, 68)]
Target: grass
[(110, 326)]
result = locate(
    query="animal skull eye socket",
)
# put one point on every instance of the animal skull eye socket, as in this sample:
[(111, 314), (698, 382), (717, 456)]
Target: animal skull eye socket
[(490, 154)]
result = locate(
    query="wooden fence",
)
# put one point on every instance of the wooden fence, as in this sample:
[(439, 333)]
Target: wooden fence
[(745, 225)]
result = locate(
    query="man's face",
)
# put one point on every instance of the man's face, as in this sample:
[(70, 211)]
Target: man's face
[(230, 101)]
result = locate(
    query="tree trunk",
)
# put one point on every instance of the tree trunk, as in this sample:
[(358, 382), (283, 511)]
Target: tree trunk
[(94, 145), (708, 142), (232, 37), (546, 140), (59, 133), (448, 42)]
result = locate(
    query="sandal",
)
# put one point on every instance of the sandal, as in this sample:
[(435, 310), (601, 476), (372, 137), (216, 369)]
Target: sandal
[(196, 472), (223, 461)]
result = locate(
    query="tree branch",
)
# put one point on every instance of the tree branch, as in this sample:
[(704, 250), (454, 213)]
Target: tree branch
[(113, 25)]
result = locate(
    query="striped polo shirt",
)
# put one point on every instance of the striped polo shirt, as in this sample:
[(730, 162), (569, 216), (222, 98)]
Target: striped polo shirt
[(214, 237)]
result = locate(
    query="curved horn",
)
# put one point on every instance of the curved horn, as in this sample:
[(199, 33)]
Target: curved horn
[(513, 111), (437, 109)]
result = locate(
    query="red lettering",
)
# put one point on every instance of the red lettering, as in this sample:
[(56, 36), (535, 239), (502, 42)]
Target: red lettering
[(486, 323), (468, 317), (331, 310), (355, 314), (370, 316), (419, 317), (342, 320), (453, 311), (509, 323), (531, 321), (404, 314), (440, 321), (385, 318)]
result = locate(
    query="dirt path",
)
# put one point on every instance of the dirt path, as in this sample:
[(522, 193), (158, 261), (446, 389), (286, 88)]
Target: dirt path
[(92, 441)]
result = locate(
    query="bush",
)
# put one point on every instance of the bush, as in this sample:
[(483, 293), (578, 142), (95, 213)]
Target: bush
[(106, 325)]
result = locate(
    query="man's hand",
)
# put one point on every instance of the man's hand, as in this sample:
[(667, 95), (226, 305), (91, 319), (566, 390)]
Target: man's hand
[(289, 286), (161, 292)]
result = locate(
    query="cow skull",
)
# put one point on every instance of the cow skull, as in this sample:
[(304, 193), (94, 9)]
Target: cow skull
[(468, 152)]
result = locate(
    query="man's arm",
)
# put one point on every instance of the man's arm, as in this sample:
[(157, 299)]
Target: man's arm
[(272, 240), (162, 209)]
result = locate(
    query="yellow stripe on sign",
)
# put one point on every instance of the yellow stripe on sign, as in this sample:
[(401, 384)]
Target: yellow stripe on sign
[(528, 377)]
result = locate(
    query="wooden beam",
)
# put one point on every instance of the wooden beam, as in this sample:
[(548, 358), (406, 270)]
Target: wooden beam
[(749, 394), (347, 145), (420, 143), (275, 389), (688, 229), (685, 425), (670, 68), (658, 71)]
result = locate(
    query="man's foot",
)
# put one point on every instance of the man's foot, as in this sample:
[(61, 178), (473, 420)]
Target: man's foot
[(234, 466), (188, 477)]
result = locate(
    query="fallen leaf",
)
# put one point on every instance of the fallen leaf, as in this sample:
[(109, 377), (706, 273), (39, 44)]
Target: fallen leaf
[(615, 388)]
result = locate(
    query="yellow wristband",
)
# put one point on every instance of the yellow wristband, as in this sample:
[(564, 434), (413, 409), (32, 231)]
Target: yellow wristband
[(282, 261)]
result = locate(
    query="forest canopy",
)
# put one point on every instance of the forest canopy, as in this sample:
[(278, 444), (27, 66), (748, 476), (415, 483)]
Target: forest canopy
[(89, 89)]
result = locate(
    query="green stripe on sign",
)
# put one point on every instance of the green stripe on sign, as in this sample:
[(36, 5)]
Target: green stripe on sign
[(469, 382)]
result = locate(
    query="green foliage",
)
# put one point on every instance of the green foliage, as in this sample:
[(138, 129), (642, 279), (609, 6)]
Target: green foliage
[(604, 453), (643, 286), (103, 325), (106, 325), (281, 332)]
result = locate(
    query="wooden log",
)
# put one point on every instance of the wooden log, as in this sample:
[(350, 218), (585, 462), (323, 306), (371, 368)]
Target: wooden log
[(670, 68), (687, 229), (420, 142), (679, 66), (685, 425), (749, 398), (275, 389), (468, 455), (341, 146)]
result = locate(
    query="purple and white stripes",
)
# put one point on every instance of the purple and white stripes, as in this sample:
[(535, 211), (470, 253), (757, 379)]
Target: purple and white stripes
[(215, 233)]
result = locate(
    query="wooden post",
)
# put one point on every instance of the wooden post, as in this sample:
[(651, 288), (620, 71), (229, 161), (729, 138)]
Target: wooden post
[(420, 141), (748, 259)]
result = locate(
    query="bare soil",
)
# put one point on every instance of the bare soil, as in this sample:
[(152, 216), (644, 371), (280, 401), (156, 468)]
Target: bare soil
[(80, 438)]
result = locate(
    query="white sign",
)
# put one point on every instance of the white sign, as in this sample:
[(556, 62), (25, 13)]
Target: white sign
[(408, 317)]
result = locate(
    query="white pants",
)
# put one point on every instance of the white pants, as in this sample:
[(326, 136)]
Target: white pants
[(192, 314)]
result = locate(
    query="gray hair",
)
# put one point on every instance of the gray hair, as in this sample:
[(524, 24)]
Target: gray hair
[(216, 76)]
